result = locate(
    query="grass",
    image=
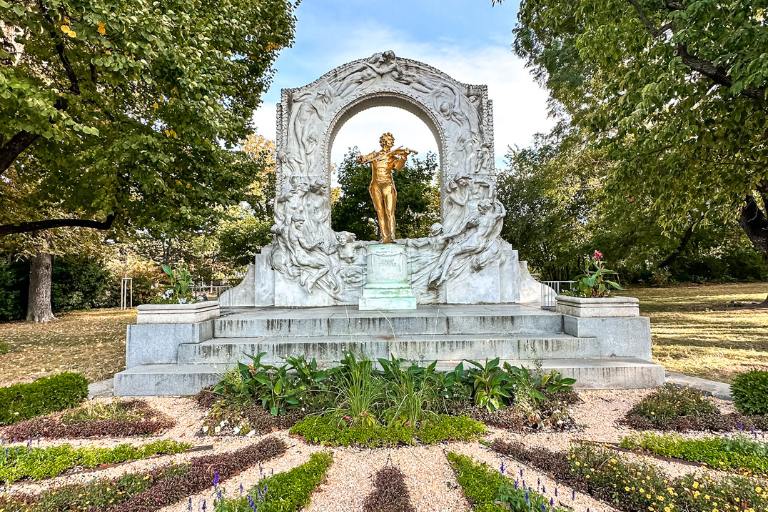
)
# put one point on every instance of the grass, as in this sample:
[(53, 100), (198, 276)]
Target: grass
[(89, 342), (698, 330)]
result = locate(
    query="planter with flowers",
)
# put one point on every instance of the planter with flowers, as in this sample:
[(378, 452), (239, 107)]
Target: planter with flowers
[(591, 293), (177, 304)]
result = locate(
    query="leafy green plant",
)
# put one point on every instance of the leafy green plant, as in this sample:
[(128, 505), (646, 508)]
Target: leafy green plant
[(594, 281), (19, 463), (97, 411), (670, 402), (284, 492), (328, 430), (49, 394), (735, 453), (179, 290), (750, 392), (4, 348), (490, 491), (359, 391), (410, 392), (489, 383)]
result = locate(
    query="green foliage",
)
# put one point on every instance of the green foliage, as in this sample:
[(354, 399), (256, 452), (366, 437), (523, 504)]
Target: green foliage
[(333, 430), (734, 453), (19, 463), (490, 384), (490, 491), (96, 411), (665, 103), (4, 348), (49, 394), (290, 491), (12, 282), (82, 282), (670, 402), (242, 239), (133, 109), (418, 203), (750, 392), (640, 487)]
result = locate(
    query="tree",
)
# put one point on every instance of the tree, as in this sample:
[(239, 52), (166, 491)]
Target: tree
[(125, 112), (674, 91), (418, 203), (126, 116)]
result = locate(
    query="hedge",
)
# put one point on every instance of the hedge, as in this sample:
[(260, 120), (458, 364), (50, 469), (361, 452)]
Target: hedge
[(49, 394)]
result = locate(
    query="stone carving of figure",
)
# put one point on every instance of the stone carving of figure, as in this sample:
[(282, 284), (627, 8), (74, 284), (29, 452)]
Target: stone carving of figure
[(457, 195), (307, 112), (474, 246), (382, 187), (376, 66)]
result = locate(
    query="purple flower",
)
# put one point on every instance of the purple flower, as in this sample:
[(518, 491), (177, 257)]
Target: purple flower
[(502, 468), (241, 489), (516, 484), (551, 502), (543, 507), (251, 503), (189, 505), (527, 497), (216, 478), (573, 494), (544, 489), (205, 506), (555, 491)]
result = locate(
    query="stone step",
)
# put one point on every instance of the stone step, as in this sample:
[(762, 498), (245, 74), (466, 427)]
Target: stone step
[(167, 379), (346, 321), (424, 348), (188, 379)]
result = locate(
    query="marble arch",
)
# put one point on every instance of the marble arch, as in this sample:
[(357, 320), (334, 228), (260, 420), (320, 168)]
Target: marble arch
[(464, 260)]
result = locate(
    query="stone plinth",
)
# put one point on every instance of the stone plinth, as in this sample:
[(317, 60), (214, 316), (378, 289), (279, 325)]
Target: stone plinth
[(177, 313), (388, 282), (590, 307)]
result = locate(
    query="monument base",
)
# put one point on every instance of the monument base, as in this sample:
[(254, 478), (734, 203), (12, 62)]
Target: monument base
[(387, 282)]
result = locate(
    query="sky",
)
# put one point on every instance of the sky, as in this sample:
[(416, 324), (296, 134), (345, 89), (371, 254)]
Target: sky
[(470, 40)]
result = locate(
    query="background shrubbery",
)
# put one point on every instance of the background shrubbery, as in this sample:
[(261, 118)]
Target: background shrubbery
[(750, 392)]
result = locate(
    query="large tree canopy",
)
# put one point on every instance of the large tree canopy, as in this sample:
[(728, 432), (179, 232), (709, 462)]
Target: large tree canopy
[(126, 112), (674, 93)]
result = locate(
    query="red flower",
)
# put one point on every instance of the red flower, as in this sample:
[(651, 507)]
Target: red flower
[(597, 255)]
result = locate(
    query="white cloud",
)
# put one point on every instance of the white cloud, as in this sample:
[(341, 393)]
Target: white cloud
[(519, 104)]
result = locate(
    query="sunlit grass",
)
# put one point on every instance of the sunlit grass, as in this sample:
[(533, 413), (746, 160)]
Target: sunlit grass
[(91, 342), (702, 330)]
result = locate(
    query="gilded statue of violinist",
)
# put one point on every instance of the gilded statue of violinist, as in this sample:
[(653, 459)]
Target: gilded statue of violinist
[(382, 188)]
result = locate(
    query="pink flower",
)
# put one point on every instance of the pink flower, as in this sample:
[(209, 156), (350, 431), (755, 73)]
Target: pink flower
[(597, 255)]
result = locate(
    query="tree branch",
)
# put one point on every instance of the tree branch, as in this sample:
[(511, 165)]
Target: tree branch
[(13, 147), (40, 225), (686, 238), (655, 32)]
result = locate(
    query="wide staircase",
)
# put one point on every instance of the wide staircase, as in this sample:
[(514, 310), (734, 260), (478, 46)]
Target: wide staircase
[(521, 335)]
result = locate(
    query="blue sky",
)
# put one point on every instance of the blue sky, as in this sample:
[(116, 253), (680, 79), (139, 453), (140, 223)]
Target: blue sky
[(468, 39)]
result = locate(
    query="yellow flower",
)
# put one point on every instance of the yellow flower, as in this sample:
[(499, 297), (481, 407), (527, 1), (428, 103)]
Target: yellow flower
[(68, 30), (102, 29), (759, 489), (695, 484)]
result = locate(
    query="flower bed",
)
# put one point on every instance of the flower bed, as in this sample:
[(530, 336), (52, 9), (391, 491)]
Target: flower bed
[(284, 492), (490, 491), (119, 419), (682, 409), (735, 453), (390, 493), (638, 487), (145, 492), (17, 463)]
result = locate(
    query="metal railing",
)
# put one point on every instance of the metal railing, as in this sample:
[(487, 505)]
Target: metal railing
[(210, 290), (550, 290)]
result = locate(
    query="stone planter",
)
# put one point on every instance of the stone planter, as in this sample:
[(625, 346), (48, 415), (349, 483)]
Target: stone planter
[(177, 313), (589, 307)]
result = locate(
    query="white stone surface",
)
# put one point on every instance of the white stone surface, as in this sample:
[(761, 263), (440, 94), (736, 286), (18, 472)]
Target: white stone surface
[(387, 281), (177, 313), (590, 307)]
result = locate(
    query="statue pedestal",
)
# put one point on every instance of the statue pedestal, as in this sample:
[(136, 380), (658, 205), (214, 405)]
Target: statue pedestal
[(388, 281)]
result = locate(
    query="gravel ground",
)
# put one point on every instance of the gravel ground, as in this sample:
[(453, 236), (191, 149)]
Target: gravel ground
[(429, 477)]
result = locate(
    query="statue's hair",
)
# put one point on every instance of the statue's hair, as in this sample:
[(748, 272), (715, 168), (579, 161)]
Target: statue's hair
[(388, 136)]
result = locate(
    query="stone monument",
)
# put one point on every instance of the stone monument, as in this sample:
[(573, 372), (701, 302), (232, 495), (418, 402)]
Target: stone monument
[(321, 293)]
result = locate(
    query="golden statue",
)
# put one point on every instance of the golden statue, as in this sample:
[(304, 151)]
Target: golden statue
[(382, 188)]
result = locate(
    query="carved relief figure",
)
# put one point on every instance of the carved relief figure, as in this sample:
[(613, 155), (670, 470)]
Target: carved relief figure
[(378, 65), (308, 110), (382, 187)]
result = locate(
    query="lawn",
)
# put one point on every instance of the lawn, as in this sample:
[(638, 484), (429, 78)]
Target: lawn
[(91, 342), (701, 330)]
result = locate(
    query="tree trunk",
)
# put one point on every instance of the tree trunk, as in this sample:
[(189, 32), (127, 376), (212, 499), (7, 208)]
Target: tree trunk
[(39, 303), (754, 220)]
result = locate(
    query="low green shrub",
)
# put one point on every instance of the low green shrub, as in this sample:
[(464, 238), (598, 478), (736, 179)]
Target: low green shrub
[(19, 463), (332, 430), (4, 348), (736, 453), (750, 392), (488, 490), (23, 401), (670, 402), (284, 492)]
